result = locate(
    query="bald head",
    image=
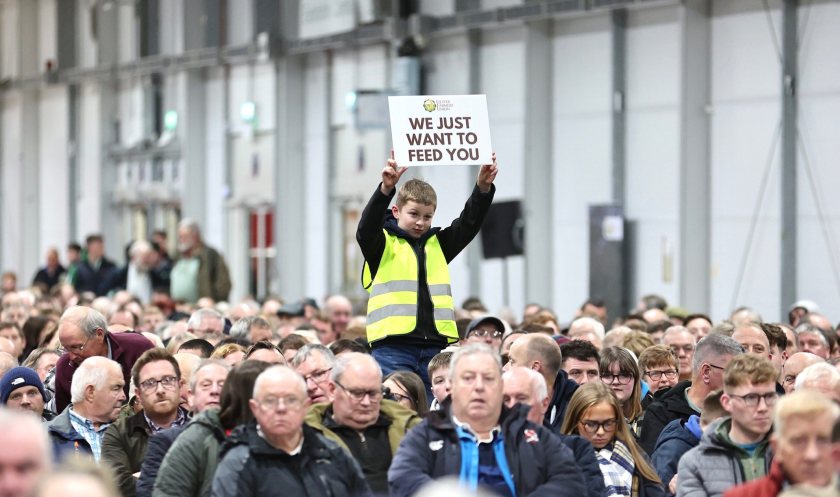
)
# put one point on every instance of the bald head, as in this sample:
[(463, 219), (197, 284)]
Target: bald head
[(526, 386), (282, 375), (539, 352), (753, 339), (794, 365)]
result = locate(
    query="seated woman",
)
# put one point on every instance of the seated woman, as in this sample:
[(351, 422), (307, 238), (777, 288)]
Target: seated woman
[(407, 389), (595, 414), (620, 372)]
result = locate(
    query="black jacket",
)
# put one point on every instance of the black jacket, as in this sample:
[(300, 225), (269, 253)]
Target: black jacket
[(564, 388), (540, 464), (453, 240), (93, 280), (250, 466), (585, 458), (667, 406)]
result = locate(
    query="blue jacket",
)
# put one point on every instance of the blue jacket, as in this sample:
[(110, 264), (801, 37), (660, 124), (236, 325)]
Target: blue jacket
[(676, 439), (65, 439), (538, 461)]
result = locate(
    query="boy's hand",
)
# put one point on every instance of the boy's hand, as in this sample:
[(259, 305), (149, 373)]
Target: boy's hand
[(391, 175), (486, 175)]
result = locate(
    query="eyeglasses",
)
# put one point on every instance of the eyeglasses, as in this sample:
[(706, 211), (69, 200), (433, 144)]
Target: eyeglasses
[(751, 399), (358, 395), (289, 402), (790, 379), (79, 348), (151, 384), (715, 367), (622, 377), (657, 375), (486, 333), (592, 427), (397, 397), (318, 376)]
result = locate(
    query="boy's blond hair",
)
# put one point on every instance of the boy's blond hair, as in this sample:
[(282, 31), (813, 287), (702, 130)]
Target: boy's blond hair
[(416, 190), (747, 368)]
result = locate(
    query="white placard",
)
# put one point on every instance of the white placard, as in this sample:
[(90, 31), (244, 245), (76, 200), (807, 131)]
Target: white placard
[(440, 130)]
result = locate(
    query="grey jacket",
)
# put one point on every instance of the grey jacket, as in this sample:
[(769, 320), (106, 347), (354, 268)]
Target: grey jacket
[(715, 465)]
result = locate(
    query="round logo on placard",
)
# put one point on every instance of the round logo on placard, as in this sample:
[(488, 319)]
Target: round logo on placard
[(429, 105)]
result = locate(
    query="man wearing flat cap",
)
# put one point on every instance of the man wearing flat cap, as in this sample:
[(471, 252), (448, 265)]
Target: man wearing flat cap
[(21, 388)]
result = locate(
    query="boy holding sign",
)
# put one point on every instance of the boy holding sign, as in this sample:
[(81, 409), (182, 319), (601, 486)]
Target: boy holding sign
[(411, 314)]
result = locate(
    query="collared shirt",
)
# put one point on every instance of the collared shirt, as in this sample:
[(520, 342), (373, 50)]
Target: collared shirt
[(294, 451), (495, 431), (180, 420), (93, 436)]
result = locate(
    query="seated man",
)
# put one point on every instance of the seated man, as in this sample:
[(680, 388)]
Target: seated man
[(526, 386), (25, 458), (802, 442), (580, 361), (541, 353), (96, 397), (711, 356), (681, 436), (205, 390), (21, 388), (360, 420), (315, 362), (487, 444), (487, 329), (794, 365), (157, 380), (280, 455), (735, 449)]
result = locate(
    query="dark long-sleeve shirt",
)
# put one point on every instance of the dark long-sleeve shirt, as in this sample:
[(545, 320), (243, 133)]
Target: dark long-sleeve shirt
[(453, 239)]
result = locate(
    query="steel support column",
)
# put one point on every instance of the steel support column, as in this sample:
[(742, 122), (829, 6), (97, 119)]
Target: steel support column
[(789, 115), (539, 160), (695, 175), (619, 92), (473, 251)]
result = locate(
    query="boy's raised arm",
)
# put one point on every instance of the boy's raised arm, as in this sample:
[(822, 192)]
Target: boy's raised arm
[(486, 175), (391, 175)]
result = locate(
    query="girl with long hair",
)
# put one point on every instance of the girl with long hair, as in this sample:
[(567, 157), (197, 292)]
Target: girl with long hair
[(620, 372), (595, 413)]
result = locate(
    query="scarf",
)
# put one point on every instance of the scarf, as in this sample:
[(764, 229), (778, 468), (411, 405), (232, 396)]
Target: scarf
[(617, 466)]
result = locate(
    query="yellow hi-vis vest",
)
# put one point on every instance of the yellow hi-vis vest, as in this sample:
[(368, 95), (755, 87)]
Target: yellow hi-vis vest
[(392, 306)]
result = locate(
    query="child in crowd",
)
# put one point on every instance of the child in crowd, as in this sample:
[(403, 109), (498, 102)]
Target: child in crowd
[(411, 314)]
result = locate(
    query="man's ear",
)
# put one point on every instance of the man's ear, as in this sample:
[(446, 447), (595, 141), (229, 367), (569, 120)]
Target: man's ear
[(536, 366), (726, 402), (89, 392)]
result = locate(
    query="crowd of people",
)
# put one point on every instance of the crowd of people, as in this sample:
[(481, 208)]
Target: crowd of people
[(116, 384)]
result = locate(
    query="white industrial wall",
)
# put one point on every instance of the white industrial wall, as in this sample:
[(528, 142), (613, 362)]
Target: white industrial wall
[(341, 163), (582, 82)]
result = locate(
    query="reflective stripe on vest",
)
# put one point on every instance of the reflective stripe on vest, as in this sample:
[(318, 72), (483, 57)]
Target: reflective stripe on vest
[(392, 306)]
